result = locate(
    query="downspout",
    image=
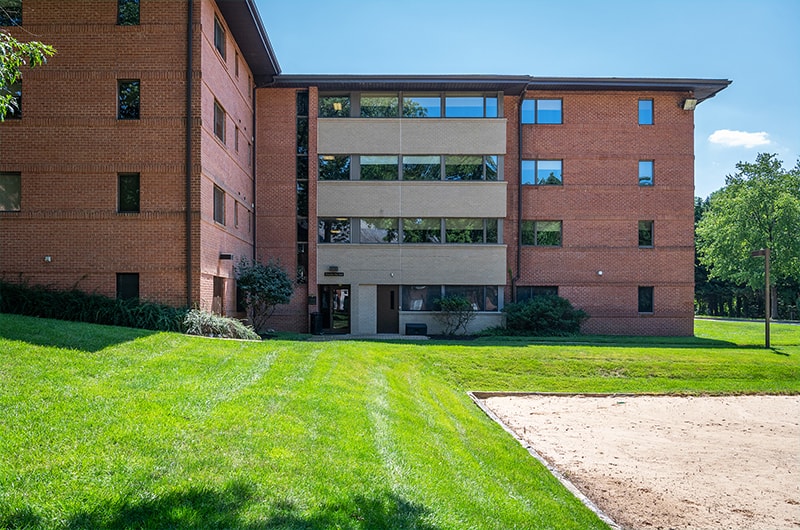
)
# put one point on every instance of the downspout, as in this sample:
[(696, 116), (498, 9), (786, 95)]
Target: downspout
[(519, 197), (189, 120), (253, 165)]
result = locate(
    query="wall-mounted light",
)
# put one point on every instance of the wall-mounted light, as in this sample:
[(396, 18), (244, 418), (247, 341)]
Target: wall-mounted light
[(599, 273), (689, 104)]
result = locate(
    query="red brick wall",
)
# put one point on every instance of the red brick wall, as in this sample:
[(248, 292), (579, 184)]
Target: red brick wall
[(600, 204), (276, 176)]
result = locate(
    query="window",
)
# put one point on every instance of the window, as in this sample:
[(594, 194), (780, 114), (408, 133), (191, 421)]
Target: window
[(543, 111), (128, 12), (645, 299), (219, 121), (420, 297), (379, 106), (422, 106), (470, 230), (236, 139), (645, 172), (219, 37), (645, 112), (471, 106), (10, 12), (379, 230), (379, 167), (10, 191), (465, 167), (525, 293), (422, 230), (333, 230), (541, 233), (334, 106), (422, 168), (128, 99), (334, 167), (15, 90), (542, 172), (645, 233), (128, 285), (219, 205), (128, 193), (236, 65)]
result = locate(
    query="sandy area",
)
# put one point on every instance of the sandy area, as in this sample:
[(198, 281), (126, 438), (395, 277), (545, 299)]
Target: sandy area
[(670, 462)]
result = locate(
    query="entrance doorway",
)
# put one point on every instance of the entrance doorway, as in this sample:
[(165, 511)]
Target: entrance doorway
[(335, 308), (388, 309)]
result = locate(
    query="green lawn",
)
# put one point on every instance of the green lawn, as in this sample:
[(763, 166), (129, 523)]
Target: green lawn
[(113, 428)]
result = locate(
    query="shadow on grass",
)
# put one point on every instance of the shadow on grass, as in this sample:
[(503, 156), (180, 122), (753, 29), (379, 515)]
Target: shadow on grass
[(66, 334), (211, 509)]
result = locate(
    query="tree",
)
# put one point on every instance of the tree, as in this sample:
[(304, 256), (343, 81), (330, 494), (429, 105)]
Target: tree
[(758, 208), (13, 56), (455, 312), (264, 288)]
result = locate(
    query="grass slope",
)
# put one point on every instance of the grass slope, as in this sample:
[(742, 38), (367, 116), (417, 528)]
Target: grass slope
[(112, 428)]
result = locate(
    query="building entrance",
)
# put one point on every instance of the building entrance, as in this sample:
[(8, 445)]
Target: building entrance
[(388, 309), (335, 308)]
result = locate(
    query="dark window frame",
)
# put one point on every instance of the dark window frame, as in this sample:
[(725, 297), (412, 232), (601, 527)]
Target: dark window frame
[(129, 99), (536, 181), (15, 110), (531, 227), (128, 12), (11, 203), (651, 179), (219, 205), (646, 300), (12, 15), (646, 116), (220, 38), (647, 233), (128, 286), (535, 112), (220, 121), (122, 197)]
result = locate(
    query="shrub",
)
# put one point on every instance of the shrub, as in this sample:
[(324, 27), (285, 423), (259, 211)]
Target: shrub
[(207, 324), (263, 287), (78, 306), (543, 316), (455, 312)]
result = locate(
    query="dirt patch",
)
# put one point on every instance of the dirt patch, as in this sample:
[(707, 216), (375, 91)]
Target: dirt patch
[(670, 462)]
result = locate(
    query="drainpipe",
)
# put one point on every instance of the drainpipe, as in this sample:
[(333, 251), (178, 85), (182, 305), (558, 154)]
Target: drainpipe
[(189, 119), (519, 197), (253, 166)]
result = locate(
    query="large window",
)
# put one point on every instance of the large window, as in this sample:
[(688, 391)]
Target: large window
[(420, 297), (526, 292), (219, 37), (333, 167), (645, 299), (379, 167), (128, 193), (543, 111), (426, 297), (645, 112), (379, 106), (645, 172), (128, 99), (334, 106), (422, 168), (541, 233), (128, 285), (542, 172), (10, 191), (15, 90), (470, 230), (422, 230), (10, 12), (422, 106), (127, 12), (645, 234), (471, 106), (219, 205), (379, 230), (336, 230), (219, 121)]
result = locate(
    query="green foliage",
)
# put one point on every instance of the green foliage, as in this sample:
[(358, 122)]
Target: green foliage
[(544, 316), (758, 208), (14, 55), (208, 324), (75, 305), (454, 313), (264, 287)]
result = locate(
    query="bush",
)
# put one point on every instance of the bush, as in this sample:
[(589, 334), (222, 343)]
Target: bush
[(207, 324), (263, 287), (544, 316), (454, 313), (77, 306)]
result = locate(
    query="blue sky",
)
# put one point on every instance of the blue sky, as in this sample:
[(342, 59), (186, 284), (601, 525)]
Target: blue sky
[(756, 44)]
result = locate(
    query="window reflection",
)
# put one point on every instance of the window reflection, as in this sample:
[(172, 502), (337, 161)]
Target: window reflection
[(334, 106), (464, 107), (379, 106), (379, 230), (542, 172), (645, 172), (334, 167), (422, 168), (333, 230), (422, 106), (420, 297), (379, 167), (422, 230), (465, 167), (464, 230)]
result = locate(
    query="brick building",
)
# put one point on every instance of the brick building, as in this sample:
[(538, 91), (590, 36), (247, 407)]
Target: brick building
[(156, 150)]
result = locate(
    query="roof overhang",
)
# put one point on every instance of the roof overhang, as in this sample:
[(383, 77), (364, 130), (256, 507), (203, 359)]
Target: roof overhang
[(701, 89), (245, 24), (510, 85)]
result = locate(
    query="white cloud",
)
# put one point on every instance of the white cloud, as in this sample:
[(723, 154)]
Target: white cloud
[(730, 138)]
